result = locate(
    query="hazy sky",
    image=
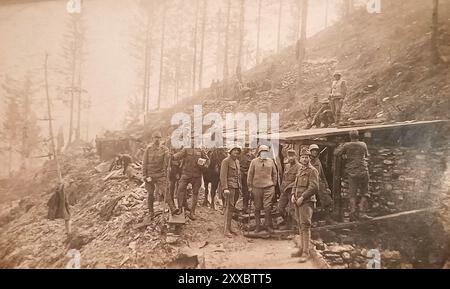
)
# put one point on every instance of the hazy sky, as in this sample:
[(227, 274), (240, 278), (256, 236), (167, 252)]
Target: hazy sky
[(27, 31)]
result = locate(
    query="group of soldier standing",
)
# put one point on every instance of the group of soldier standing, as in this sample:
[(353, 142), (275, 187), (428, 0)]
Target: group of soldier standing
[(254, 177)]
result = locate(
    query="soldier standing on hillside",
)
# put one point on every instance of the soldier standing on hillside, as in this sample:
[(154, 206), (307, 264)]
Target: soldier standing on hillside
[(230, 184), (337, 96), (194, 160), (261, 180), (154, 170), (304, 197), (355, 153)]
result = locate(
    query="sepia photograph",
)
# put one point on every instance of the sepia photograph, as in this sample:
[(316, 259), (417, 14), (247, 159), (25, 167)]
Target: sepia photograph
[(225, 134)]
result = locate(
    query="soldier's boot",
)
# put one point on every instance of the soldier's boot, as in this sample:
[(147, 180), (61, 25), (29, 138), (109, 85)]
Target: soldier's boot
[(306, 241), (268, 220), (205, 200), (258, 221), (194, 206), (299, 252), (213, 198)]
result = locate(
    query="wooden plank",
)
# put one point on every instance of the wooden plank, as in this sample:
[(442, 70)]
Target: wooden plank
[(380, 218)]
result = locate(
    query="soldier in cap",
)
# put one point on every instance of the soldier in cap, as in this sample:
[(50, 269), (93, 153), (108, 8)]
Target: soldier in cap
[(304, 197), (324, 193), (289, 176), (230, 184), (355, 154), (154, 170), (261, 180), (337, 95)]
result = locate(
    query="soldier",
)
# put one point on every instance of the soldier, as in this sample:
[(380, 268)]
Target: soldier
[(324, 193), (323, 116), (261, 180), (290, 173), (191, 173), (356, 154), (313, 107), (245, 158), (230, 182), (121, 161), (154, 170), (304, 198), (337, 96)]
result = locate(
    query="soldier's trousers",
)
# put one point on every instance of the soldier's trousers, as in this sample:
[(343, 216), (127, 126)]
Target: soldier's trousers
[(159, 183), (264, 197), (358, 183), (245, 192), (230, 207), (196, 183), (336, 107), (304, 216)]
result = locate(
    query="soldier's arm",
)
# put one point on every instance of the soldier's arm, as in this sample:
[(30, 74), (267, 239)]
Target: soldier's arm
[(144, 163), (208, 160), (367, 151), (313, 185), (274, 174), (340, 150), (166, 161), (224, 175)]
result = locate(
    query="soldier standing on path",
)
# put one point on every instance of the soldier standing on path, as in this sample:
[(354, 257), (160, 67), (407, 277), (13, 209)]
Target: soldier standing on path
[(337, 96), (230, 183), (289, 176), (245, 159), (355, 153), (304, 198), (261, 180), (154, 170), (194, 160)]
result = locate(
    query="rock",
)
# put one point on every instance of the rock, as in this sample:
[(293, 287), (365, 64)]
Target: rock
[(390, 255), (388, 162), (346, 256), (339, 248), (406, 266)]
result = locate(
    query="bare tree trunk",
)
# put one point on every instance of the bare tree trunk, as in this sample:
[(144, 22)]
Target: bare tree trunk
[(436, 59), (219, 38), (72, 96), (148, 64), (258, 31), (161, 62), (348, 8), (194, 64), (146, 69), (202, 45), (280, 13), (327, 5), (225, 58), (88, 116), (78, 131), (241, 40), (302, 42), (50, 123)]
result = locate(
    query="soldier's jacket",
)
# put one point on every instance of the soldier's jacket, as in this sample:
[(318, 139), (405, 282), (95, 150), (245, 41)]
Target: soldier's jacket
[(155, 161), (230, 174), (307, 183), (338, 89), (289, 176), (315, 162), (189, 157)]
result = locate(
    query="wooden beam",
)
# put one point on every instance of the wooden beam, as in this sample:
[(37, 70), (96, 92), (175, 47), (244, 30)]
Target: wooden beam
[(380, 218)]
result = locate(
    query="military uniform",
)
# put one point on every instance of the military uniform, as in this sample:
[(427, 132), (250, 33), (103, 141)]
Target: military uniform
[(306, 187), (357, 171), (338, 93), (191, 173), (323, 193), (230, 179), (154, 166)]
